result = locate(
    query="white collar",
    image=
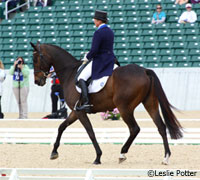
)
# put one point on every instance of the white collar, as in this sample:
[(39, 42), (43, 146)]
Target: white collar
[(101, 25)]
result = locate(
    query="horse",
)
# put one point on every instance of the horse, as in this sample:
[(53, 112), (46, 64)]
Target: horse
[(126, 88)]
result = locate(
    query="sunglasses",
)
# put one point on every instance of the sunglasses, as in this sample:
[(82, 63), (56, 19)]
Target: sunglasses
[(159, 8), (188, 7)]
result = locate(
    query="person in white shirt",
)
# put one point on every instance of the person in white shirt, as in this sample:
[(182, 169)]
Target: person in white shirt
[(188, 16), (2, 78)]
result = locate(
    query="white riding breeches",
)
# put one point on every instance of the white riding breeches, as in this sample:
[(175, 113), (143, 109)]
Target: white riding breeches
[(86, 72)]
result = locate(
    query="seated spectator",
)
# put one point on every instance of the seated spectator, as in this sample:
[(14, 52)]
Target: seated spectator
[(195, 1), (188, 16), (42, 3), (159, 16), (180, 2)]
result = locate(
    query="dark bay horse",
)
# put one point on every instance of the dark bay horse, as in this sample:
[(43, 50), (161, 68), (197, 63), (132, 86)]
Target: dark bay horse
[(127, 87)]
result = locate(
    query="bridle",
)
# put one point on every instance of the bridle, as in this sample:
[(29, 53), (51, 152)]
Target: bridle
[(45, 73)]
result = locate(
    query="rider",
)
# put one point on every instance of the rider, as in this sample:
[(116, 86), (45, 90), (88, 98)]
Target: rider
[(101, 57)]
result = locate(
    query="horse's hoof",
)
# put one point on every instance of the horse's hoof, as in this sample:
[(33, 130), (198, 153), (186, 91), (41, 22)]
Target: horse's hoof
[(96, 162), (122, 160), (54, 155), (165, 163)]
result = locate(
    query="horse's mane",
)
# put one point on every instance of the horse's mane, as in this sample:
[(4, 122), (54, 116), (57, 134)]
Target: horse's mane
[(65, 53)]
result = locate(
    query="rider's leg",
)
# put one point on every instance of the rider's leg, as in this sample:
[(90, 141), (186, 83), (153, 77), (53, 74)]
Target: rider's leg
[(83, 77)]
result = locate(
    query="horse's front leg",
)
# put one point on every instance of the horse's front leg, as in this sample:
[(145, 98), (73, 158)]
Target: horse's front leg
[(88, 127), (70, 119)]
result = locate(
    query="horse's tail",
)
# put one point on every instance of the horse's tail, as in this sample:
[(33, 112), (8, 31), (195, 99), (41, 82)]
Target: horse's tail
[(173, 125)]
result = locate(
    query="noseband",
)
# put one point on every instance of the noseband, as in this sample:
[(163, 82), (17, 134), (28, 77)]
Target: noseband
[(42, 61)]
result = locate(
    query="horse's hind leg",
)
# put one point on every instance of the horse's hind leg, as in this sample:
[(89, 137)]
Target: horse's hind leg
[(70, 119), (134, 129), (151, 105)]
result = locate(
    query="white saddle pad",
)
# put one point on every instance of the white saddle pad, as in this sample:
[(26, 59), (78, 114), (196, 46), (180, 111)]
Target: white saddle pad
[(96, 85)]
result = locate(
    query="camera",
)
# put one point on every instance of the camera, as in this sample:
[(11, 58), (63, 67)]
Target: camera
[(19, 62)]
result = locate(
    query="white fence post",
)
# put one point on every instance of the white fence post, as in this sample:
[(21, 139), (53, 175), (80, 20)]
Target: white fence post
[(89, 175), (14, 175)]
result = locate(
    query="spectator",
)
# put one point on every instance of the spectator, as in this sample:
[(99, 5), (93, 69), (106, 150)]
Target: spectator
[(56, 91), (20, 72), (2, 78), (188, 16), (42, 3), (195, 1), (159, 16), (180, 2)]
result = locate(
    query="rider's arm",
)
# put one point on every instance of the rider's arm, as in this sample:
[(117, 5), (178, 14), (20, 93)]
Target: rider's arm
[(95, 45)]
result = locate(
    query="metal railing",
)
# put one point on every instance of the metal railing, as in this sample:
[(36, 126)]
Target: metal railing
[(18, 6)]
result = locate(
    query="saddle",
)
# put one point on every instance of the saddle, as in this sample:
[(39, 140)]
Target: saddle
[(94, 86)]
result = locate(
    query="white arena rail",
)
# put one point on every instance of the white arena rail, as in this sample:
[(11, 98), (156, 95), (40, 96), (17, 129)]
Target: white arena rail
[(94, 174), (79, 136)]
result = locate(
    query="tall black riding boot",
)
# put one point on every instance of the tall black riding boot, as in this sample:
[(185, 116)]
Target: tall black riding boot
[(85, 99)]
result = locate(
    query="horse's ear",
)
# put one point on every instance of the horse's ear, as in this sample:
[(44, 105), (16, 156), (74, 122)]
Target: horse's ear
[(34, 47), (38, 42)]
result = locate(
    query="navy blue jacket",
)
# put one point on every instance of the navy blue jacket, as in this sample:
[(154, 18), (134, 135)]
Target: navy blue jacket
[(102, 52)]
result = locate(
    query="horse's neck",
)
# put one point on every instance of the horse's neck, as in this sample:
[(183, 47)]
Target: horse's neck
[(65, 64)]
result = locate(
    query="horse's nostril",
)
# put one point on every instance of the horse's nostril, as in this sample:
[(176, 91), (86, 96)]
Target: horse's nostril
[(36, 81)]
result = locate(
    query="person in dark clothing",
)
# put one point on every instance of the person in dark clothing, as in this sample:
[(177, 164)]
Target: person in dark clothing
[(101, 57)]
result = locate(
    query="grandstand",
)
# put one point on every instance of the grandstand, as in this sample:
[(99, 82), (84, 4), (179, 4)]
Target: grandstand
[(68, 24)]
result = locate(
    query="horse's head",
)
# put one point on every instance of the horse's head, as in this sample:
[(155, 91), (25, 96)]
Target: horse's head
[(41, 64)]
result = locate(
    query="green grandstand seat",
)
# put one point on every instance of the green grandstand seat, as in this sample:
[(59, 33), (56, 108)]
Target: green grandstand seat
[(51, 33), (164, 38), (149, 38), (138, 52), (61, 8), (7, 28), (35, 34), (35, 9), (133, 38), (145, 19), (150, 52), (21, 28), (146, 6), (177, 32), (137, 59), (162, 32), (193, 45), (192, 31), (195, 58), (172, 19), (195, 38), (184, 64), (22, 34), (154, 65), (169, 64), (194, 52), (34, 21), (168, 58), (65, 34), (175, 25), (152, 59), (181, 52), (48, 27), (180, 58), (164, 45), (179, 45), (196, 64), (166, 52), (150, 45), (61, 27), (178, 38), (7, 34), (21, 21), (48, 21), (135, 45)]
